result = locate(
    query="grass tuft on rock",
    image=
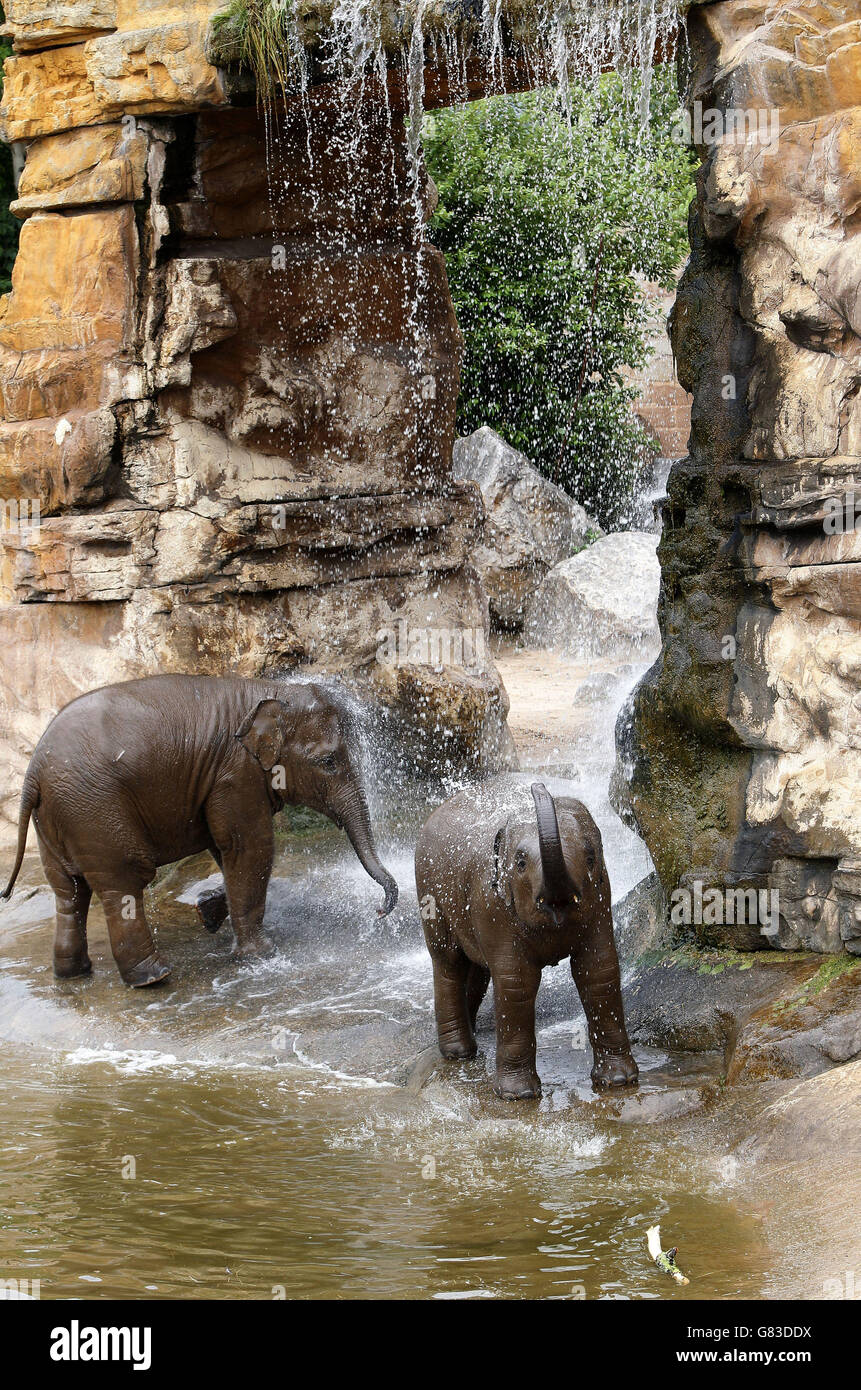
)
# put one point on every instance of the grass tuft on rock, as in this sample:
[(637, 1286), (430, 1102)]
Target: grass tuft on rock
[(259, 35)]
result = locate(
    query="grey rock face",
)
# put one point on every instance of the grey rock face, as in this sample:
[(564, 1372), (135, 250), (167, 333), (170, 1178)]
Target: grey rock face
[(530, 523), (602, 600), (641, 920), (742, 752)]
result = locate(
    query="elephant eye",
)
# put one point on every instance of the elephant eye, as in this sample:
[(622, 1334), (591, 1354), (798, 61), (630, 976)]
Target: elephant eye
[(329, 761), (520, 862)]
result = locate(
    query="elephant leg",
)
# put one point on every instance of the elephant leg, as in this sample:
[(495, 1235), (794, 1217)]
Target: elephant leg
[(453, 1026), (515, 986), (477, 981), (246, 848), (595, 968), (134, 950), (72, 900), (71, 956), (72, 903), (212, 906)]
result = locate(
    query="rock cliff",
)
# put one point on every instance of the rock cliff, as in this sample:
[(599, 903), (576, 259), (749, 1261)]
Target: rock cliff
[(743, 747), (228, 377)]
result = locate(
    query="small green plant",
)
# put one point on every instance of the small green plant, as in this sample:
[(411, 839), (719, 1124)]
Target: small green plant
[(264, 39), (832, 969)]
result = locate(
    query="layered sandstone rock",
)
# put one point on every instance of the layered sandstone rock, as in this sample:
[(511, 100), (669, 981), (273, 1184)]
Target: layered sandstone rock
[(100, 164), (68, 72), (67, 330), (743, 748), (42, 24), (235, 408)]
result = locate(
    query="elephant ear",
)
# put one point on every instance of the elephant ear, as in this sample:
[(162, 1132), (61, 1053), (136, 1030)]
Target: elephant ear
[(261, 733), (499, 882)]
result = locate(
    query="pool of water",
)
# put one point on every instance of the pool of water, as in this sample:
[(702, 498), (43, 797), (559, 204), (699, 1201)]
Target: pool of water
[(289, 1129)]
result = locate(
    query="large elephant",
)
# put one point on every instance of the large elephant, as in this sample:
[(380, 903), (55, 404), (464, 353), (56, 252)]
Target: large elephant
[(506, 886), (137, 775)]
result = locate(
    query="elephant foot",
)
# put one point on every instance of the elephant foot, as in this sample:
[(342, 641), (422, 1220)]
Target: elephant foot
[(253, 951), (147, 972), (68, 968), (612, 1069), (212, 908), (458, 1049), (518, 1085)]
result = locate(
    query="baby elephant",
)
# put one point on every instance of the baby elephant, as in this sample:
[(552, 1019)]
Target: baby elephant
[(506, 888)]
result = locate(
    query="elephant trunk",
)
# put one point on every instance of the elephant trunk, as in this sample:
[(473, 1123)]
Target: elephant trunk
[(352, 812), (558, 884)]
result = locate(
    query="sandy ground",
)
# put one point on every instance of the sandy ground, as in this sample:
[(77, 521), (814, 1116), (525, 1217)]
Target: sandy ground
[(552, 697)]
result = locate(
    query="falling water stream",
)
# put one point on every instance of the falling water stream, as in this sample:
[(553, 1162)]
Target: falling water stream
[(371, 62)]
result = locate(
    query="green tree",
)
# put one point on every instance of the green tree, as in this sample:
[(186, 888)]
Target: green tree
[(546, 219), (9, 225)]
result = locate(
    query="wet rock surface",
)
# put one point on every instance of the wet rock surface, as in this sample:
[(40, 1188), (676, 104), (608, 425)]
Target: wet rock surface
[(530, 524), (769, 1016), (817, 1119), (805, 1031), (797, 1147), (641, 920), (699, 1000)]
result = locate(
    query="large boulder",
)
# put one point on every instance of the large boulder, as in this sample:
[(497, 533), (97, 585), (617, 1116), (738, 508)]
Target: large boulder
[(602, 601), (803, 1144), (775, 1015), (817, 1121), (530, 523)]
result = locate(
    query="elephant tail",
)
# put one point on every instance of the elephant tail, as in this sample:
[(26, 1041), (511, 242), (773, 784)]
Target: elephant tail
[(29, 802)]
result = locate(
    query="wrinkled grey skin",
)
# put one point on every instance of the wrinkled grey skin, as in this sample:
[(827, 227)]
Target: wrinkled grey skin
[(140, 774), (510, 881)]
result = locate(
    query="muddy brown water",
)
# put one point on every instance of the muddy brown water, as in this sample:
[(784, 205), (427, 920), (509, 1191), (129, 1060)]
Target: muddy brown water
[(288, 1129)]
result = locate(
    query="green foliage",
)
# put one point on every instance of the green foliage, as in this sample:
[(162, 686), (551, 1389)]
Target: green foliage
[(545, 225), (9, 225)]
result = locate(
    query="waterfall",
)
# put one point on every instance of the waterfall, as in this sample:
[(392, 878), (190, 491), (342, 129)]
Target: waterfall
[(377, 60), (358, 45)]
